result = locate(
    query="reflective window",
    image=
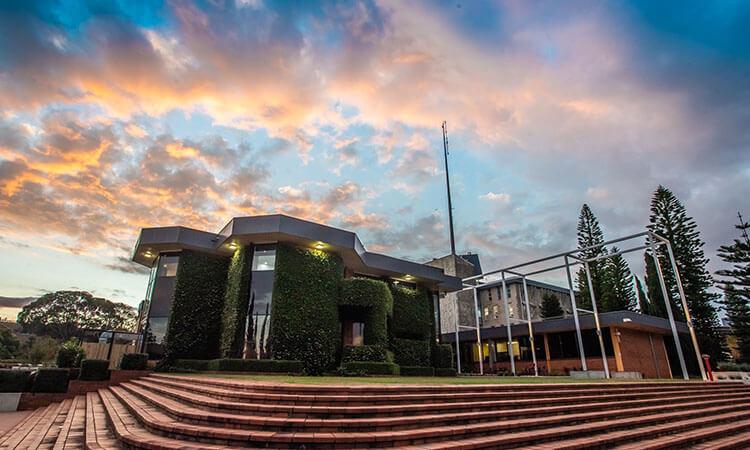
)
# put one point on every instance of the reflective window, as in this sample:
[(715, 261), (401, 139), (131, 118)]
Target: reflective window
[(168, 266), (258, 326), (264, 257)]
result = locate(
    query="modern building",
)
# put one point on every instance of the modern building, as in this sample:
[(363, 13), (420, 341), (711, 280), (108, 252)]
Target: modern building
[(271, 286)]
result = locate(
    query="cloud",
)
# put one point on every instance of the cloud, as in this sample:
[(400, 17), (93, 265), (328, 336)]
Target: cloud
[(500, 197), (15, 302), (126, 265)]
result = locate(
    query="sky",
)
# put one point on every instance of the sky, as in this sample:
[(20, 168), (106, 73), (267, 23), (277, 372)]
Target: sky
[(115, 116)]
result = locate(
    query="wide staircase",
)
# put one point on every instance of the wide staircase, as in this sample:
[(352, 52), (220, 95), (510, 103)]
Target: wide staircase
[(178, 412)]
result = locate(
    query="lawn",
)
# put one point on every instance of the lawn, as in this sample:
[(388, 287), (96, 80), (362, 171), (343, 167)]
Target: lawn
[(419, 380)]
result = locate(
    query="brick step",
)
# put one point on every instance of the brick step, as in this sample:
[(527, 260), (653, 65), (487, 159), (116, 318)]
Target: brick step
[(229, 392), (731, 442), (98, 436), (577, 424), (186, 411), (129, 429), (16, 434), (313, 389), (694, 436), (71, 431), (215, 399), (587, 436), (42, 432)]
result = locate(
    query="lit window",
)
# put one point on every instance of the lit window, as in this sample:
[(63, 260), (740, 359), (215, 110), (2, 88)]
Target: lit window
[(264, 258), (486, 311), (495, 311), (510, 310)]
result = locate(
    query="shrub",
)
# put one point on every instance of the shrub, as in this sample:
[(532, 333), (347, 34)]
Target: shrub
[(94, 370), (371, 368), (255, 365), (133, 361), (445, 372), (305, 318), (417, 371), (51, 380), (236, 300), (444, 356), (376, 353), (194, 328), (192, 364), (70, 355), (412, 314), (409, 352), (373, 298), (14, 380), (733, 367)]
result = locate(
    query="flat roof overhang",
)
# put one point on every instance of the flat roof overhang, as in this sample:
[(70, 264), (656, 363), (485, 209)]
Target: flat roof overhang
[(281, 228), (619, 319)]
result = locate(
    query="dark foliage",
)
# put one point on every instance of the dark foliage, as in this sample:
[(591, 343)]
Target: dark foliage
[(618, 290), (70, 355), (417, 371), (590, 234), (444, 356), (51, 380), (255, 365), (133, 361), (412, 314), (94, 370), (10, 346), (236, 301), (197, 365), (305, 318), (376, 353), (736, 285), (445, 372), (14, 380), (411, 352), (194, 329), (551, 306), (63, 314), (371, 368), (375, 301)]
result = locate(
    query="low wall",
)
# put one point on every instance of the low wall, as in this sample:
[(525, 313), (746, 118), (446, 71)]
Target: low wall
[(33, 400)]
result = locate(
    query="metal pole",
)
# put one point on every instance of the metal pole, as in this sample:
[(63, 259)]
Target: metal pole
[(687, 311), (507, 323), (531, 331), (575, 315), (596, 319), (458, 344), (479, 338), (448, 187), (669, 309)]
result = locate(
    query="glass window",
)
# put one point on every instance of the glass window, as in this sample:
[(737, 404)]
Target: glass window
[(358, 333), (495, 311), (168, 266), (264, 258), (486, 311), (489, 293), (507, 291), (510, 310)]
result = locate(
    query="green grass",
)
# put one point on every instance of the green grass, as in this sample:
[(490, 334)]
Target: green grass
[(419, 380)]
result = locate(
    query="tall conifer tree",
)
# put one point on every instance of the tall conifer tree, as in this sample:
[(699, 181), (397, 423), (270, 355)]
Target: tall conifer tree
[(736, 285), (669, 219), (618, 294), (590, 235)]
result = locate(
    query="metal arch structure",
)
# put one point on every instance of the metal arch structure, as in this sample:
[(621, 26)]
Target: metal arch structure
[(653, 242)]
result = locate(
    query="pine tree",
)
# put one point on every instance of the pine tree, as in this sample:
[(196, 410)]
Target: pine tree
[(551, 306), (656, 306), (736, 287), (617, 286), (669, 219), (590, 235)]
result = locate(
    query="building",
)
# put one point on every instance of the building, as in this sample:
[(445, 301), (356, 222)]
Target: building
[(276, 287), (489, 296)]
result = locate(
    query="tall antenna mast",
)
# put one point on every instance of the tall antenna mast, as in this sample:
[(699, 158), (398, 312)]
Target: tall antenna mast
[(448, 187)]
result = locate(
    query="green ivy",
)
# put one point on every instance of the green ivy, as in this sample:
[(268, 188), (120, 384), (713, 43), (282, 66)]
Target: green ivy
[(412, 314), (376, 353), (236, 303), (304, 317), (411, 352), (194, 329), (445, 372), (373, 298), (417, 371), (370, 368)]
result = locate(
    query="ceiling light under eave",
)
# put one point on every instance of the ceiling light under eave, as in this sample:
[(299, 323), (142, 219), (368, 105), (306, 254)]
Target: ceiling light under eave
[(319, 246), (408, 277)]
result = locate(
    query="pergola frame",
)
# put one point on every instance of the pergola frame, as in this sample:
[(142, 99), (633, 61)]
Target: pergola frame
[(653, 241)]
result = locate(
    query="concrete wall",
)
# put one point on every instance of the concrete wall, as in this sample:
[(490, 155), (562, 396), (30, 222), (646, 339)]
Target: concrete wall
[(456, 266)]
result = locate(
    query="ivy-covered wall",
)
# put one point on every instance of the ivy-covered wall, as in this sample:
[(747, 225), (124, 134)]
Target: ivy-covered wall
[(304, 313), (373, 298), (236, 303), (194, 329), (413, 327)]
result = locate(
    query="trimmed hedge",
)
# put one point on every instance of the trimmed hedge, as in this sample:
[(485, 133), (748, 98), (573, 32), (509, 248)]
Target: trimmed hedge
[(69, 355), (376, 353), (445, 372), (14, 380), (305, 317), (133, 361), (192, 364), (54, 380), (410, 352), (195, 321), (255, 365), (734, 367), (94, 370), (374, 299), (417, 371), (444, 357), (236, 301), (371, 368), (412, 314)]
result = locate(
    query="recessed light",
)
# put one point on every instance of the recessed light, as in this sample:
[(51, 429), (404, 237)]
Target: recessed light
[(319, 246)]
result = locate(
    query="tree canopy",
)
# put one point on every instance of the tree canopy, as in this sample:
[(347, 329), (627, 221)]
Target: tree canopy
[(590, 235), (63, 314), (551, 306), (736, 285)]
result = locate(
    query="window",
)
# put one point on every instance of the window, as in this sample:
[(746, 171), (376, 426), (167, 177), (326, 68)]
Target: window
[(264, 258), (486, 311), (495, 311), (510, 310), (489, 293), (354, 333), (507, 292), (168, 266)]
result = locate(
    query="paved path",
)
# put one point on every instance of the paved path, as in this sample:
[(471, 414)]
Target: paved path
[(9, 419)]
